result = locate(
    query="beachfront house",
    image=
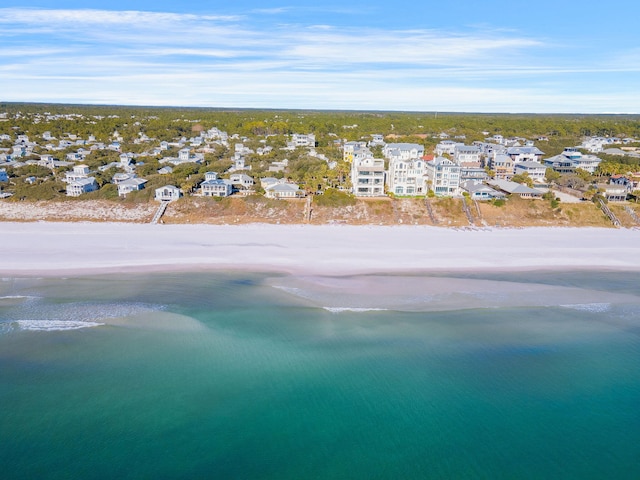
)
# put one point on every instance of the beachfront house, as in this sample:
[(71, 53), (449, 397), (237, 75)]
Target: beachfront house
[(283, 190), (168, 193), (77, 187), (214, 186), (480, 191), (513, 188), (443, 176), (407, 177), (367, 177), (613, 192), (129, 185)]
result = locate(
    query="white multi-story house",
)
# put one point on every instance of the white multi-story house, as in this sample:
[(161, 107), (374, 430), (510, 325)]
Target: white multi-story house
[(407, 177), (525, 154), (367, 177), (79, 172), (446, 147), (130, 185), (214, 186), (242, 182), (376, 140), (350, 150), (467, 155), (535, 170), (403, 151), (502, 166), (301, 140), (571, 159), (80, 186), (443, 176)]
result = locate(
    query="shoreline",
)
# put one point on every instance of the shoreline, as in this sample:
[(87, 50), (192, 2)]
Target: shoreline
[(63, 249)]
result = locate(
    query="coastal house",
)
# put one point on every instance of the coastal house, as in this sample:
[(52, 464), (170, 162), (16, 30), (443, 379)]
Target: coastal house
[(367, 177), (535, 170), (503, 166), (79, 172), (165, 170), (571, 159), (447, 147), (301, 140), (129, 185), (79, 186), (168, 193), (613, 192), (467, 155), (513, 188), (443, 176), (241, 182), (525, 154), (402, 151), (476, 174), (407, 177), (351, 150), (480, 191), (214, 186), (283, 190)]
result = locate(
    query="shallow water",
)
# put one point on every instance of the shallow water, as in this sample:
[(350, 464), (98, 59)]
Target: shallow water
[(519, 375)]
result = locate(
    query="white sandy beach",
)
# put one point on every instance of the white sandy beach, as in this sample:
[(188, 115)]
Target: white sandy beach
[(64, 248)]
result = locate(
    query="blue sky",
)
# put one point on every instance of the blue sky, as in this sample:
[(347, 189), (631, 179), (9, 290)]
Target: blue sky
[(492, 56)]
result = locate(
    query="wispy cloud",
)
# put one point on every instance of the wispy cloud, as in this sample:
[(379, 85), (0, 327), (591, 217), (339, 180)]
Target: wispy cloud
[(229, 60)]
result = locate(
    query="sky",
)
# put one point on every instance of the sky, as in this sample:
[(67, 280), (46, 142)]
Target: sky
[(466, 56)]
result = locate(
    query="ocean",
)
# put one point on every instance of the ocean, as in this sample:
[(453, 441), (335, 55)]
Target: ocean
[(527, 375)]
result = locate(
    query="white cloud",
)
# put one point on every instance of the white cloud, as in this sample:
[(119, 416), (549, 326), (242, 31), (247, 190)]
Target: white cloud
[(102, 17), (103, 56)]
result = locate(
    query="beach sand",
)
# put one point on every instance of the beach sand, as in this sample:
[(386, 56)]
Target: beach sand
[(82, 248)]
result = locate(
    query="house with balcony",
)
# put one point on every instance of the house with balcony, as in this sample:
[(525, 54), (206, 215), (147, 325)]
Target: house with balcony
[(132, 184), (480, 191), (535, 170), (443, 176), (367, 177), (407, 177), (80, 186), (402, 151), (525, 154), (79, 172), (571, 159), (214, 186), (467, 155), (168, 193), (503, 166)]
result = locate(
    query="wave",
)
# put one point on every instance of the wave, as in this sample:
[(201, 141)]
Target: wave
[(54, 325), (589, 307), (354, 309)]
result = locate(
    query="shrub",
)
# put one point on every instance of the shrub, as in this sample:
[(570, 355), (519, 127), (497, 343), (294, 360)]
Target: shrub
[(334, 198)]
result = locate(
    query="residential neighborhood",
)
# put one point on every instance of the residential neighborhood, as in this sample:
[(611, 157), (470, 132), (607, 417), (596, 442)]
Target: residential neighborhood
[(207, 161)]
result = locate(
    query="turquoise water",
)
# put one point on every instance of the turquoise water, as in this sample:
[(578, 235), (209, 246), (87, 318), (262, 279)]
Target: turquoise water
[(244, 376)]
